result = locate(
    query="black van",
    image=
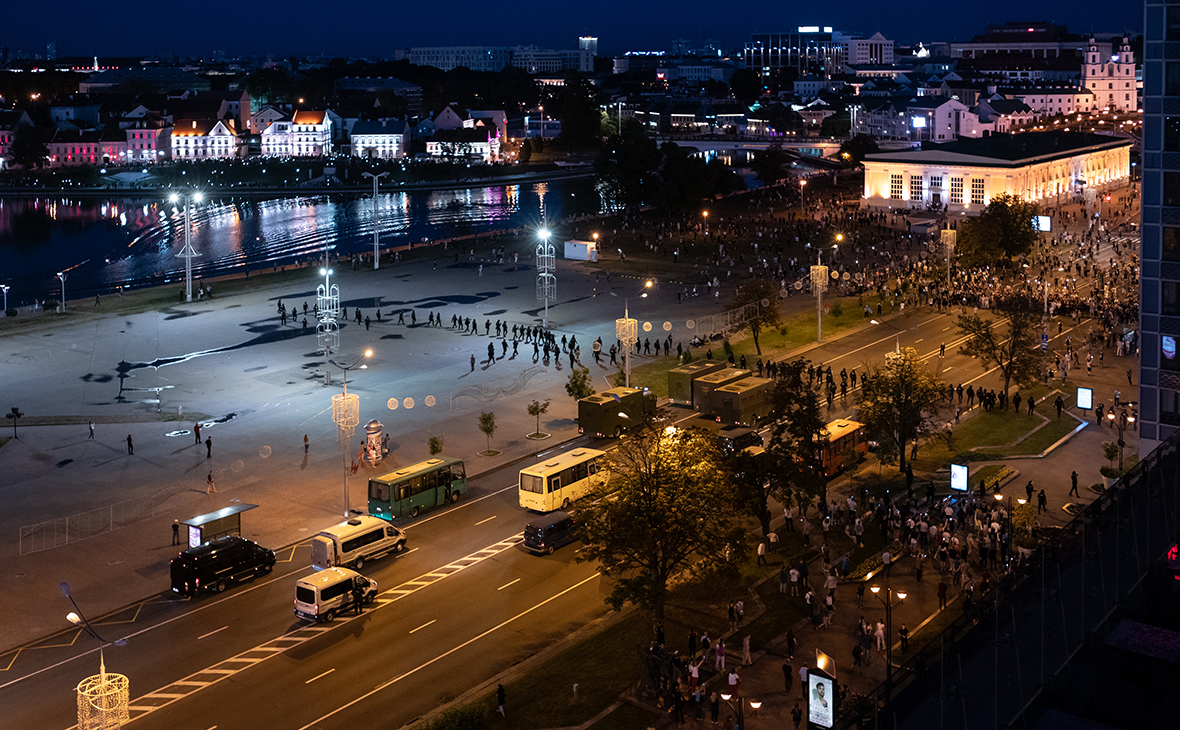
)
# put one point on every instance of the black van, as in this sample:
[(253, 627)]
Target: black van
[(736, 438), (546, 534), (217, 563)]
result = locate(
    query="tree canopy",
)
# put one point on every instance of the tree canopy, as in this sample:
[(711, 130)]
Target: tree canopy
[(1004, 229), (796, 437), (764, 294), (1015, 355), (899, 404), (667, 507)]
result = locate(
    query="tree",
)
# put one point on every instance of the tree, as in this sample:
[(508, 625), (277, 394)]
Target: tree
[(770, 165), (836, 125), (1004, 229), (1015, 356), (436, 445), (745, 85), (578, 386), (899, 403), (626, 166), (487, 424), (667, 508), (526, 152), (763, 294), (796, 438), (537, 409), (28, 149), (854, 150)]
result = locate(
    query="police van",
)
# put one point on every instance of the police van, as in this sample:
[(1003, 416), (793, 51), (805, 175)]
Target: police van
[(217, 564), (322, 595), (353, 542)]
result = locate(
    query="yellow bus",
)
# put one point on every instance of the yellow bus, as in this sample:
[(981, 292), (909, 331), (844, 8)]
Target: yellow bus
[(561, 479)]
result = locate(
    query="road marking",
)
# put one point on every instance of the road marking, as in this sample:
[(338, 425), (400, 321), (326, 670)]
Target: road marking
[(413, 631), (318, 676), (919, 340), (460, 506), (445, 654), (477, 524), (952, 367), (944, 329), (223, 628), (508, 584)]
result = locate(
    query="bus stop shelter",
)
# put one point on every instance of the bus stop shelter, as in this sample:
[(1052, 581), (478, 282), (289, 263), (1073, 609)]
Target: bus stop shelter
[(227, 521)]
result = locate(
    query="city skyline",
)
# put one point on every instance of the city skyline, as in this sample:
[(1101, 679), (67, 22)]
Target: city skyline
[(258, 30)]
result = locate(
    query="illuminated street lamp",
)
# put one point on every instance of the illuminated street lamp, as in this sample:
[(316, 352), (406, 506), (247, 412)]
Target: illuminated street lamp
[(627, 332), (103, 699), (187, 252), (346, 414), (705, 213), (1121, 422), (5, 289), (376, 220), (802, 195), (887, 601), (546, 278), (62, 276)]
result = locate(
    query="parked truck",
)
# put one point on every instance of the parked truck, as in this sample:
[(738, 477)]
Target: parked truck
[(614, 412)]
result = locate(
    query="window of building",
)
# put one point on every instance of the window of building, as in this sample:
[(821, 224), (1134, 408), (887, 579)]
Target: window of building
[(977, 191), (915, 187), (895, 189), (1172, 78), (1169, 406), (1168, 361), (1172, 188), (1171, 244), (1170, 298)]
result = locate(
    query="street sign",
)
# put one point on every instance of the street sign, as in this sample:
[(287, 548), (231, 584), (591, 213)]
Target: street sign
[(1044, 342)]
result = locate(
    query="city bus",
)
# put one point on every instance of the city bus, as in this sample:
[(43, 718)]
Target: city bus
[(412, 489), (845, 447), (557, 481)]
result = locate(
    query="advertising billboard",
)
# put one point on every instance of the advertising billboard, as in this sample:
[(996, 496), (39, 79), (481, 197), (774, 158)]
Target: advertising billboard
[(959, 477), (1085, 398), (820, 700)]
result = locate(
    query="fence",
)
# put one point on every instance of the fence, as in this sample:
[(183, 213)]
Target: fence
[(64, 530), (999, 664)]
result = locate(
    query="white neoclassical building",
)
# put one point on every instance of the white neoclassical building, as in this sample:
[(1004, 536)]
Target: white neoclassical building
[(963, 176)]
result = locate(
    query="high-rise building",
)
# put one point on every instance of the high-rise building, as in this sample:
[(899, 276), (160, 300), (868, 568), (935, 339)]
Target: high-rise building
[(588, 43), (1159, 288), (809, 50)]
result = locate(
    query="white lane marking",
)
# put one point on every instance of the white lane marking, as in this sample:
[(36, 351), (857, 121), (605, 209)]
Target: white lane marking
[(223, 628), (445, 654), (952, 367), (477, 524), (919, 340), (508, 584), (459, 506), (412, 631), (319, 676), (944, 329)]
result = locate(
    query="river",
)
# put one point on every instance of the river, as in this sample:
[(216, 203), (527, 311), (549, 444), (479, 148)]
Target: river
[(102, 244)]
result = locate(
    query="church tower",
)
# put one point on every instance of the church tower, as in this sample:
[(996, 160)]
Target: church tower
[(1112, 82)]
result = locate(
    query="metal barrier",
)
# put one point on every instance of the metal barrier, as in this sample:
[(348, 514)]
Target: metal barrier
[(64, 530)]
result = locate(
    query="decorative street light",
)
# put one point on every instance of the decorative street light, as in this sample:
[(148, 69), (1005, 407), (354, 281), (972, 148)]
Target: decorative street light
[(103, 699), (740, 708), (896, 335), (546, 278), (5, 288), (376, 221), (346, 414), (802, 195), (627, 332), (62, 276), (327, 309), (819, 284), (1122, 421), (887, 601), (187, 252), (705, 214)]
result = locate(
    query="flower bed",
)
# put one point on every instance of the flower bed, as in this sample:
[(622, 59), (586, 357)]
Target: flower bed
[(870, 566)]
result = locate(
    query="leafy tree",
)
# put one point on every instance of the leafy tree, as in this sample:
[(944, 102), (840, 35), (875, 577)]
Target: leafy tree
[(537, 409), (270, 86), (526, 151), (668, 508), (580, 113), (1014, 355), (487, 424), (763, 293), (836, 125), (626, 166), (854, 150), (745, 85), (579, 386), (899, 403), (770, 165), (28, 148), (796, 437), (1004, 229), (436, 445)]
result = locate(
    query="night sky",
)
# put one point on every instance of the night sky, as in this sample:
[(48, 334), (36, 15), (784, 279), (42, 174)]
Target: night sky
[(377, 27)]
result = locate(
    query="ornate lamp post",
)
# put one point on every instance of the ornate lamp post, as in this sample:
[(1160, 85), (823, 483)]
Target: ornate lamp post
[(887, 601), (346, 414), (376, 221), (62, 276), (546, 279), (327, 309), (103, 698), (187, 252), (819, 284), (5, 288), (627, 332)]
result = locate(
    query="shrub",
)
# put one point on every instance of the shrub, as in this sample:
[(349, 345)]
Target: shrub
[(837, 309), (10, 312), (463, 717)]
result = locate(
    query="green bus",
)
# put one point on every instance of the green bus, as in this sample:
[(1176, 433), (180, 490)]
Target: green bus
[(412, 489)]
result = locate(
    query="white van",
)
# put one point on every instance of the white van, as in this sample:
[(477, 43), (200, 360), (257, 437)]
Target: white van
[(353, 542), (319, 597)]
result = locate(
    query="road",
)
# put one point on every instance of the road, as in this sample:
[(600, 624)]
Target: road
[(462, 604)]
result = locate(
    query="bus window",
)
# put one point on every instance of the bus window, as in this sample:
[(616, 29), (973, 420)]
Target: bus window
[(532, 484), (379, 491), (404, 492), (554, 483), (593, 467)]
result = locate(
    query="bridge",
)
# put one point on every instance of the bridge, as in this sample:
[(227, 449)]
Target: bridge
[(815, 152)]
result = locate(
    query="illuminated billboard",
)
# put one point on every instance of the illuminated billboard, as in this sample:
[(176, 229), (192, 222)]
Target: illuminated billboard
[(820, 700)]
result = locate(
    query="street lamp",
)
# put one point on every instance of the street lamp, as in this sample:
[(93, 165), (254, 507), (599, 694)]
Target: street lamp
[(187, 252), (705, 213), (627, 332), (62, 276), (376, 221), (546, 278), (346, 414), (5, 288), (102, 698), (896, 335), (802, 195), (741, 706), (1121, 423), (887, 601)]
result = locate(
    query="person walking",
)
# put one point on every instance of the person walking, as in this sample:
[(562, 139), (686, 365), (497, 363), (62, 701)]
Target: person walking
[(788, 677), (1073, 490), (306, 443), (210, 487), (91, 437), (473, 363), (175, 532), (794, 574), (501, 695), (761, 553), (904, 635), (197, 431), (797, 715), (879, 633), (208, 447), (358, 598), (941, 594), (1042, 502), (783, 579), (130, 446)]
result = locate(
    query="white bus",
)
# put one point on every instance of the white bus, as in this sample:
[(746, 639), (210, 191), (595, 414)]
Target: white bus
[(561, 479)]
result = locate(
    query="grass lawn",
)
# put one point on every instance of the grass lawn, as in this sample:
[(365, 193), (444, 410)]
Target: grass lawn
[(627, 717), (1037, 442)]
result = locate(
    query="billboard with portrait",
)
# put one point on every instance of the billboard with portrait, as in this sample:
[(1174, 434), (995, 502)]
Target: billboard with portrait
[(959, 477), (821, 700), (1085, 398)]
